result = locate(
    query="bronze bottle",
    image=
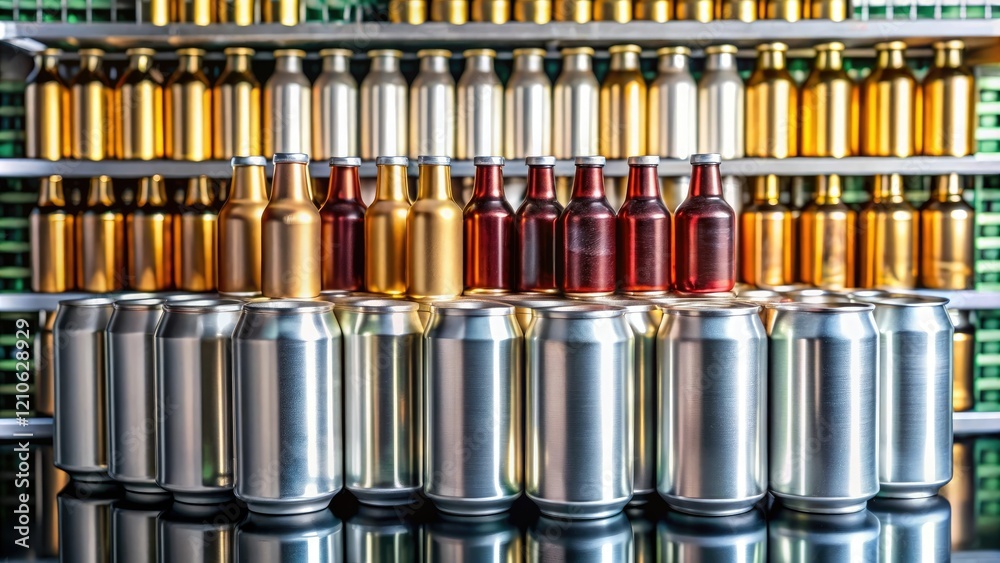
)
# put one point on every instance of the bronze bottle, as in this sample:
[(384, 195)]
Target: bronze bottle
[(948, 236), (829, 106), (766, 237), (100, 241), (46, 110), (188, 109), (236, 107), (240, 228), (290, 237), (196, 236), (53, 251), (826, 237), (889, 237), (149, 234), (891, 105), (385, 228), (139, 108)]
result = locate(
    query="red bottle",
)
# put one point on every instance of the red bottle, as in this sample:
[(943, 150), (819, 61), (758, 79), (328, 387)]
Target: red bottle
[(704, 232), (489, 231), (585, 234), (536, 228), (643, 231), (343, 238)]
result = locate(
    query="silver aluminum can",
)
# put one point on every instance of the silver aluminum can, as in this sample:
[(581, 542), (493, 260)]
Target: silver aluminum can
[(604, 540), (720, 104), (528, 107), (575, 105), (335, 107), (913, 529), (473, 539), (288, 105), (383, 400), (761, 297), (794, 537), (579, 411), (287, 397), (134, 537), (191, 533), (194, 389), (673, 106), (432, 106), (472, 379), (316, 537), (712, 367), (80, 437), (740, 538), (480, 106), (376, 534), (85, 521), (383, 107), (823, 420), (131, 394)]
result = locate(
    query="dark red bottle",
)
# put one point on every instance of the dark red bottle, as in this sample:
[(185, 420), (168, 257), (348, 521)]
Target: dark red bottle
[(704, 232), (585, 234), (343, 238), (643, 231), (536, 228), (489, 231)]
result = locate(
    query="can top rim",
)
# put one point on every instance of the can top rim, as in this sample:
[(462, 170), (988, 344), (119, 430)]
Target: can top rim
[(391, 161), (238, 51), (180, 297), (288, 306), (336, 52), (471, 308), (906, 300), (757, 293), (479, 53), (706, 158), (379, 305), (581, 311), (631, 305), (865, 294), (290, 157), (140, 304), (529, 301), (248, 161), (204, 306), (428, 160), (808, 292), (88, 302), (488, 161), (146, 51), (385, 53), (674, 50), (627, 48), (646, 160), (345, 161), (577, 51), (827, 308), (540, 161), (711, 308)]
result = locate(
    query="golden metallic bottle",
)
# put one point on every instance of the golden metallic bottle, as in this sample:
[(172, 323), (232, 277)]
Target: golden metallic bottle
[(788, 10), (188, 109), (290, 235), (772, 105), (239, 12), (579, 11), (826, 237), (613, 10), (833, 10), (149, 237), (623, 105), (890, 105), (654, 10), (949, 94), (413, 12), (198, 12), (492, 11), (743, 10), (53, 251), (963, 354), (139, 108), (240, 228), (158, 11), (236, 107), (196, 238), (285, 12), (450, 11), (888, 237), (829, 106), (46, 110), (434, 235), (385, 228), (100, 241), (535, 11), (948, 236), (766, 237), (697, 10), (91, 100)]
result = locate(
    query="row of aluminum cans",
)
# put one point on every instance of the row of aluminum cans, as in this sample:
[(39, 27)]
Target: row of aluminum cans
[(585, 406)]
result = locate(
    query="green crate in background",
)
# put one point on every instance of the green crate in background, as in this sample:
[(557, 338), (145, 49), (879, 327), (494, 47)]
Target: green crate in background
[(988, 109), (987, 361), (986, 468), (987, 196)]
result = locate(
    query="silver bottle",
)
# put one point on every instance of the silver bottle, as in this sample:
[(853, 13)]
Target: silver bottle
[(383, 107), (740, 538), (794, 536), (823, 420), (288, 105), (432, 106), (673, 106), (85, 521), (335, 107), (713, 366), (376, 534), (473, 539), (604, 540), (913, 529), (480, 106), (287, 399), (720, 104), (383, 399), (132, 393), (472, 381), (576, 105), (80, 438), (528, 107), (194, 533), (194, 398), (578, 450), (317, 537), (134, 536)]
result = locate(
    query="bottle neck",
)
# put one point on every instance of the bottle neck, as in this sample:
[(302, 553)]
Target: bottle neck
[(706, 181), (479, 63), (529, 63), (767, 190), (888, 189), (434, 182), (434, 63), (949, 188), (830, 60), (891, 58), (288, 64), (290, 182), (949, 57), (643, 183), (673, 62), (50, 192), (773, 60), (391, 183), (49, 62), (625, 61), (589, 183), (248, 183), (345, 184), (90, 62), (238, 63), (828, 190), (541, 183), (151, 192), (385, 64), (578, 63), (488, 182), (198, 192), (189, 63), (141, 62), (101, 192), (721, 61), (336, 63)]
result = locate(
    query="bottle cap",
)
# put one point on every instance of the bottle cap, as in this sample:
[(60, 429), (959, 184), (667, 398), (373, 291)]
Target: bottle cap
[(248, 161), (590, 161), (345, 161), (291, 157), (392, 161), (643, 161), (434, 160), (706, 158), (540, 161), (488, 161)]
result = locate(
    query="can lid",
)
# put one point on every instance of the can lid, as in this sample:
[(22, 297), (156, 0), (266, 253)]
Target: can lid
[(204, 306), (425, 160), (479, 53), (906, 300), (471, 308), (528, 52), (423, 53), (614, 49), (827, 308), (590, 161), (385, 53), (190, 52), (644, 161), (716, 49), (379, 306), (140, 51), (678, 50), (530, 301), (488, 161), (865, 294), (287, 307), (181, 296), (299, 53), (335, 52), (94, 52), (710, 308), (706, 158), (808, 292), (392, 161), (248, 161), (291, 157), (345, 161), (88, 302), (581, 311), (140, 304), (630, 304), (239, 51), (577, 51)]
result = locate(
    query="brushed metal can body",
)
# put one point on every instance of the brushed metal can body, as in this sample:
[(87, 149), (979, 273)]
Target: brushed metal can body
[(287, 398), (740, 538), (317, 537), (576, 105), (477, 539), (383, 400), (579, 411), (85, 521), (480, 106), (673, 106), (472, 382), (432, 106), (913, 529), (131, 394), (376, 534), (198, 533), (824, 420), (383, 107), (134, 537), (335, 107), (605, 540), (720, 104), (194, 381), (80, 437), (795, 536), (528, 106), (712, 367), (288, 105)]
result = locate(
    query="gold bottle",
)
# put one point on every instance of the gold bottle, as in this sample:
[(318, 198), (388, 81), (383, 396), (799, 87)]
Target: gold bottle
[(890, 105), (139, 108), (788, 10), (290, 232), (188, 112), (46, 113), (149, 237), (613, 10), (100, 241), (654, 10), (492, 11), (53, 251), (198, 12), (450, 11), (697, 10), (772, 106), (766, 237), (434, 235), (240, 228), (829, 106), (239, 12), (413, 12), (196, 239), (285, 12), (236, 107), (385, 229), (826, 235), (889, 237), (534, 11), (91, 100), (833, 10), (948, 235), (742, 10), (963, 360), (579, 11), (622, 124), (159, 12), (949, 103)]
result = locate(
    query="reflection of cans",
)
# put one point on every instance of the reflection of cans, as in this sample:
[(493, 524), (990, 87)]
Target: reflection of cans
[(376, 534), (741, 537), (317, 536), (198, 533), (85, 521), (493, 538), (914, 529), (823, 537), (133, 528), (605, 539)]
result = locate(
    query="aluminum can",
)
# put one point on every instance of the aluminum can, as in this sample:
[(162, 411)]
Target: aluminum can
[(788, 10), (413, 12), (889, 241), (535, 228), (673, 106), (451, 11), (335, 107), (434, 234), (762, 298), (288, 105), (80, 422), (132, 413), (816, 296), (824, 421), (712, 358), (491, 11), (91, 99), (742, 10), (829, 106), (288, 354), (827, 228), (579, 454), (890, 105), (291, 227), (342, 243), (134, 534), (528, 106), (383, 385), (704, 232), (187, 109), (796, 536), (525, 305), (643, 232), (766, 237), (376, 534), (472, 377), (47, 114), (53, 239), (100, 240), (963, 352), (236, 107), (720, 104), (139, 108), (383, 107), (194, 386), (534, 11), (730, 539), (480, 106), (468, 539), (949, 103), (432, 106), (654, 10), (266, 538), (385, 228), (85, 521), (576, 105), (623, 105), (585, 234), (149, 235), (489, 232), (947, 230), (198, 533), (913, 529), (240, 228), (574, 541), (196, 233), (772, 105), (285, 12)]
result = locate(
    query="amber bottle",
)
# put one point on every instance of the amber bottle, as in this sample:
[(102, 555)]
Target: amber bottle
[(704, 232), (947, 227), (489, 231), (586, 234), (766, 228), (53, 251), (196, 236), (535, 226), (644, 231), (100, 241), (149, 236), (342, 245)]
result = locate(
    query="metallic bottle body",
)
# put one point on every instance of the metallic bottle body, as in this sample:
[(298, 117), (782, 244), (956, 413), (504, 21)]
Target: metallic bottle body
[(383, 109), (766, 243), (697, 10), (335, 109), (385, 232), (947, 249), (704, 254), (888, 245), (891, 108), (53, 242), (239, 252), (480, 109), (833, 10), (963, 352), (613, 10), (236, 111), (90, 111), (432, 109), (721, 107), (47, 112), (188, 110), (452, 11), (291, 227), (535, 226), (949, 93), (100, 241), (579, 11), (788, 10), (829, 114), (643, 231), (528, 106), (44, 350), (623, 107), (285, 12), (342, 239), (196, 231), (742, 10), (139, 112), (413, 12), (673, 109), (585, 238), (576, 108), (149, 233), (288, 107), (489, 236), (826, 245), (654, 10), (434, 239), (772, 106)]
